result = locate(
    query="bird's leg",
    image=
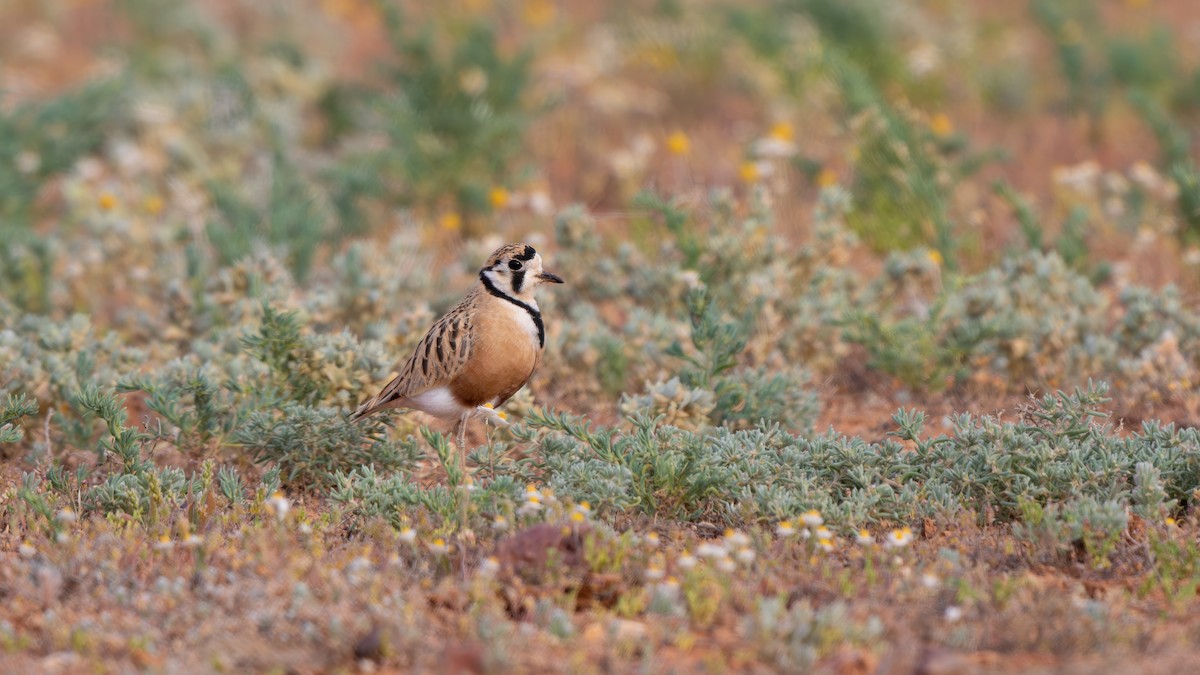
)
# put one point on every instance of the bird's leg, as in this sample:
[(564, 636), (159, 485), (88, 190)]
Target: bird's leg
[(462, 437), (464, 500)]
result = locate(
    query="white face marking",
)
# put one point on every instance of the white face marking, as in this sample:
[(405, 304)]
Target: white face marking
[(501, 275), (438, 402)]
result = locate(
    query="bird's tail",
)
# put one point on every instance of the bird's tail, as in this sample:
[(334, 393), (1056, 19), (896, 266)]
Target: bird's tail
[(383, 401)]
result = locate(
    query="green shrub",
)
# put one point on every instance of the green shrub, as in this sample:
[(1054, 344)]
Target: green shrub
[(311, 444)]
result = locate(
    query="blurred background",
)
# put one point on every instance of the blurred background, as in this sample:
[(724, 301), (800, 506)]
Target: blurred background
[(301, 124)]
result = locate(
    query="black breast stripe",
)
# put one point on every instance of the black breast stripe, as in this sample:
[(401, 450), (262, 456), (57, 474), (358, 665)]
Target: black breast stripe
[(533, 313)]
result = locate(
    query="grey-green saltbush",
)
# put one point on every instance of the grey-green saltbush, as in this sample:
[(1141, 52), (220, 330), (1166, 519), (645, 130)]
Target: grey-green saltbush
[(1059, 450)]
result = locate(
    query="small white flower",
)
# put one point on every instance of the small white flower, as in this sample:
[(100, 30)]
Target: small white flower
[(654, 573), (305, 527), (726, 565), (66, 515), (192, 541), (736, 539), (408, 535), (923, 59), (668, 589), (785, 529), (773, 148), (690, 278), (899, 538), (929, 580), (439, 546), (953, 614), (533, 504), (1080, 177), (280, 505), (490, 414), (500, 523), (823, 533), (540, 203), (164, 543), (687, 561), (745, 555), (711, 550), (489, 567), (26, 550), (652, 540), (825, 545), (473, 81), (356, 567), (864, 538), (812, 518), (28, 162)]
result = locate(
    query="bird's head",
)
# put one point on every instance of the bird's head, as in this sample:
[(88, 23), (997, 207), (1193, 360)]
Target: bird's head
[(516, 270)]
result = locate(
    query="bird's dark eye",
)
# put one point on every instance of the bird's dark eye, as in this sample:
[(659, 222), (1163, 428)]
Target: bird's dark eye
[(514, 265)]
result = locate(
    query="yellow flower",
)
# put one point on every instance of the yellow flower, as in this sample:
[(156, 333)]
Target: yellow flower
[(1170, 522), (935, 257), (678, 143), (107, 201), (1072, 32), (749, 172), (498, 197), (451, 222), (153, 205), (783, 131), (941, 125), (578, 517), (827, 177), (539, 12)]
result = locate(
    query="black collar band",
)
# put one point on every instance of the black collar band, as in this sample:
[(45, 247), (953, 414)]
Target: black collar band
[(533, 313)]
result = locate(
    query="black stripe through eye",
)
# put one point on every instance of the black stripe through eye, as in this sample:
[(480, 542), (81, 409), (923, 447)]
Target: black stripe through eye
[(518, 281), (528, 254)]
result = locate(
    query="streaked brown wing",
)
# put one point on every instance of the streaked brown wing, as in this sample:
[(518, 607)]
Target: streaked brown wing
[(440, 356)]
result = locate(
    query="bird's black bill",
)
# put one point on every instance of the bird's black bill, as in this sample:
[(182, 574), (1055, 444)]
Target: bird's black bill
[(552, 278)]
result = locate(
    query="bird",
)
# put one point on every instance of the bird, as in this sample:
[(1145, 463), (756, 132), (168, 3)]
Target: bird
[(480, 352)]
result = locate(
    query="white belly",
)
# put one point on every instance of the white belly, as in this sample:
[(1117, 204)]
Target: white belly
[(438, 402)]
